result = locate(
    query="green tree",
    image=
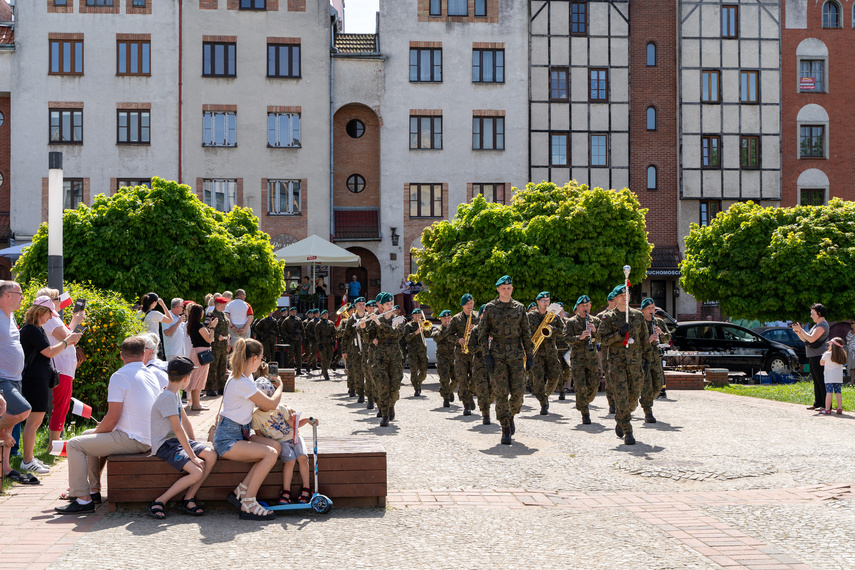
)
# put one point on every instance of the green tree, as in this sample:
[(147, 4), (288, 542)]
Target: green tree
[(568, 240), (164, 240), (773, 263)]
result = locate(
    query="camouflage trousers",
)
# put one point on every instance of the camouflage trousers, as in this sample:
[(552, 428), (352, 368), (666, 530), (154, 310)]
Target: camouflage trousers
[(628, 376), (388, 373), (610, 384), (217, 369), (545, 375), (326, 356), (293, 355), (586, 381), (653, 382), (368, 373), (311, 356), (508, 381), (480, 384), (418, 367), (355, 373), (463, 374), (445, 369), (269, 347)]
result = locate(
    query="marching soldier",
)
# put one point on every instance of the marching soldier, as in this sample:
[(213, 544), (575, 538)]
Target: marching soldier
[(388, 360), (654, 377), (351, 348), (604, 359), (267, 332), (325, 333), (505, 338), (463, 360), (310, 341), (291, 332), (219, 348), (580, 331), (368, 359), (445, 359), (546, 371), (417, 350), (625, 358), (480, 379)]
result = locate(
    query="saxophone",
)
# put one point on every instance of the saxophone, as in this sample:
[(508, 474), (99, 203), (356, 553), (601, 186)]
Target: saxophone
[(544, 330), (465, 349)]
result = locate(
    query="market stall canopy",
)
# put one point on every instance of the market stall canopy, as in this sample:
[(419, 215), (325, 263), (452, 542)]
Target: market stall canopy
[(316, 250), (14, 252)]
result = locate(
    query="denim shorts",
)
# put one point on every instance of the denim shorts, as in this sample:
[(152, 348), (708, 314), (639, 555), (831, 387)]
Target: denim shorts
[(15, 401), (833, 388), (173, 453), (227, 434)]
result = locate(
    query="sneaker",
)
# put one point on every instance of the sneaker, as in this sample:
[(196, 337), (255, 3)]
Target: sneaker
[(35, 466)]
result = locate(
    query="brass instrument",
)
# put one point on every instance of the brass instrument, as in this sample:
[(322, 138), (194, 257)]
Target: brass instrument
[(587, 328), (465, 349), (426, 326), (345, 311), (544, 330), (368, 317)]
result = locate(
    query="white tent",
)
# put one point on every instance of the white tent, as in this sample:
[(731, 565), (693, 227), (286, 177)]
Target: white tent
[(315, 250), (15, 251)]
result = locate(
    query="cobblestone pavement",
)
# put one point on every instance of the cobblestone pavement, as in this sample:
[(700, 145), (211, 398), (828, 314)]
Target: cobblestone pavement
[(719, 481)]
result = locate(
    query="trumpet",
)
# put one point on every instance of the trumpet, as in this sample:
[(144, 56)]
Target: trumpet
[(345, 311), (368, 317), (426, 326)]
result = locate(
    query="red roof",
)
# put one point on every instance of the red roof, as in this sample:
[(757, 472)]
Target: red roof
[(5, 11), (7, 34)]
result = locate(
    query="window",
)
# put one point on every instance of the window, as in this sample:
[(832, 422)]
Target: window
[(812, 197), (219, 129), (253, 5), (710, 151), (219, 194), (558, 84), (729, 21), (458, 8), (651, 118), (219, 59), (488, 133), (599, 84), (60, 2), (494, 193), (710, 86), (139, 3), (748, 86), (66, 57), (599, 150), (435, 7), (651, 54), (578, 19), (134, 127), (481, 8), (488, 66), (651, 177), (99, 2), (425, 132), (709, 210), (559, 145), (425, 200), (750, 152), (132, 182), (812, 141), (283, 196), (356, 183), (66, 125), (355, 128), (283, 130), (133, 58), (72, 193), (831, 14), (425, 65), (283, 60), (811, 74)]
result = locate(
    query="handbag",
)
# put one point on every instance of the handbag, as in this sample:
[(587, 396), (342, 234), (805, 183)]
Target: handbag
[(213, 429), (205, 357), (81, 356)]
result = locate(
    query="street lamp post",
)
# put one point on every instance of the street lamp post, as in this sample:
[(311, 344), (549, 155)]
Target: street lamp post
[(55, 200)]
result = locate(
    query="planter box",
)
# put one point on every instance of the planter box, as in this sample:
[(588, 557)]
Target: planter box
[(287, 377), (684, 381)]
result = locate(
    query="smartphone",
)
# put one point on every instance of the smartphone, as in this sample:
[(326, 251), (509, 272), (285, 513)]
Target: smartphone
[(80, 329), (273, 369), (79, 305)]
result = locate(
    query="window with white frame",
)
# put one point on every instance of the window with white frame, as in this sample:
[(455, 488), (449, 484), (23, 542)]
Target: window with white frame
[(219, 193), (219, 128), (283, 130), (283, 196)]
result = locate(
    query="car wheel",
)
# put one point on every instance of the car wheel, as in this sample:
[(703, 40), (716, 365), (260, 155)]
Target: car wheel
[(777, 363)]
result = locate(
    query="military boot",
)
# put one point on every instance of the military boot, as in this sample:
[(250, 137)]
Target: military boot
[(361, 399), (445, 403), (506, 436), (351, 394), (326, 375), (586, 419), (513, 426), (628, 439), (618, 431), (561, 395), (485, 418), (370, 405), (451, 398), (662, 393), (612, 409), (472, 403), (379, 412), (392, 412), (466, 410), (384, 422), (648, 418), (544, 409)]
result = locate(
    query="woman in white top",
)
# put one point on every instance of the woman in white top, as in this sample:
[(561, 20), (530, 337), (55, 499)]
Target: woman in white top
[(152, 317), (232, 439)]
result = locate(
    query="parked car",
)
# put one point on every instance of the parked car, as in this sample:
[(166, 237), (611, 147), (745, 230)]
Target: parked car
[(784, 335), (725, 345)]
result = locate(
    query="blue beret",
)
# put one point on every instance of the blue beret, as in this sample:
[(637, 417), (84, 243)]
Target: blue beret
[(581, 300), (417, 311), (611, 296), (324, 312), (646, 302), (371, 303), (504, 280), (396, 307), (359, 300), (465, 299), (619, 290), (445, 313), (530, 305), (383, 297), (560, 304), (542, 295), (292, 309), (481, 310)]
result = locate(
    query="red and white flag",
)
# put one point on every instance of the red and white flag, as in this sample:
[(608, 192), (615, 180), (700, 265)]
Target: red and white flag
[(78, 408), (64, 301), (58, 448)]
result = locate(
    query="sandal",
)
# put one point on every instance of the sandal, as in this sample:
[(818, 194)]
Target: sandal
[(155, 509), (305, 495), (252, 511), (285, 497), (237, 495), (22, 478), (195, 510)]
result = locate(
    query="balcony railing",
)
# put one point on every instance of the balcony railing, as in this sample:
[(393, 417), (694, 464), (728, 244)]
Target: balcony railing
[(352, 224)]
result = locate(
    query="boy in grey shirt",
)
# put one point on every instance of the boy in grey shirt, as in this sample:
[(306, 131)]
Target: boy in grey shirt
[(172, 440)]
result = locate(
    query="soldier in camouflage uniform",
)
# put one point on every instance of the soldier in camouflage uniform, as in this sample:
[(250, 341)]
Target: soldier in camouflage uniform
[(626, 358), (351, 348), (325, 333), (546, 371), (580, 333), (654, 377), (480, 379), (445, 359), (561, 347), (388, 368), (291, 333), (366, 334), (267, 333), (417, 350), (463, 362), (219, 348), (309, 340), (505, 338), (604, 359)]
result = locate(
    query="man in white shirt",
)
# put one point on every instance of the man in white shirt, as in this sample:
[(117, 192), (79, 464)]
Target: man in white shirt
[(240, 317), (126, 428), (175, 333)]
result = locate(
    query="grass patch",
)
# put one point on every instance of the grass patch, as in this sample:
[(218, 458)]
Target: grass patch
[(798, 393)]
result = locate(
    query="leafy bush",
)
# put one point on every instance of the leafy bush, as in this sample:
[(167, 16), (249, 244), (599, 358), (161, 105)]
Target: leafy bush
[(110, 320)]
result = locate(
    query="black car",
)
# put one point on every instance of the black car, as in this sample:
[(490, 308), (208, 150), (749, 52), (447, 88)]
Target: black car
[(725, 345), (784, 335)]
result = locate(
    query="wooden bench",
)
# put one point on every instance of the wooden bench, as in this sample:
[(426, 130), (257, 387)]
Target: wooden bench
[(352, 472)]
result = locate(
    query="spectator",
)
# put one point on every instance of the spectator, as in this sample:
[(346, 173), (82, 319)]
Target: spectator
[(408, 296), (38, 372), (240, 316), (150, 315), (228, 295), (65, 363), (11, 367), (209, 302), (151, 361), (321, 292), (833, 360), (200, 337), (173, 334), (816, 343), (126, 428), (353, 288)]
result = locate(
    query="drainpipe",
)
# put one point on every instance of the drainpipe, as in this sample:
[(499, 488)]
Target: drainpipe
[(332, 112), (180, 83)]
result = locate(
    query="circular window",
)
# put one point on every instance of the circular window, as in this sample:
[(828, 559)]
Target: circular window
[(355, 183), (2, 119), (2, 180), (355, 128)]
